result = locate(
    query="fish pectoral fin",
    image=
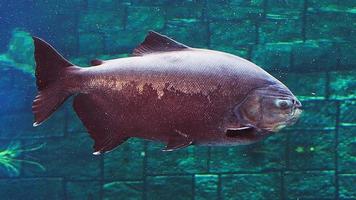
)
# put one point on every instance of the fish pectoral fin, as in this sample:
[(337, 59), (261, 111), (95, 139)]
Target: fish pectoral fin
[(178, 141), (107, 145), (242, 131), (243, 128)]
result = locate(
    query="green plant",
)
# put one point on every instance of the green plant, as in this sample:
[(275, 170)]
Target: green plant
[(10, 158)]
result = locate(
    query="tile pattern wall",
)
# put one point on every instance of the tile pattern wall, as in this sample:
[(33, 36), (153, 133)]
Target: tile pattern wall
[(308, 44)]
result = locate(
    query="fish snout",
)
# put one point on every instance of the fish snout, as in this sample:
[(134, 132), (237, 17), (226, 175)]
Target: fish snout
[(297, 111), (297, 104)]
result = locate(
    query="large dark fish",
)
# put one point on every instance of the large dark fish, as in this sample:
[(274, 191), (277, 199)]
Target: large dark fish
[(168, 92)]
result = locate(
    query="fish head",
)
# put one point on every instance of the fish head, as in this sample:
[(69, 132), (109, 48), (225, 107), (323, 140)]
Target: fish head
[(269, 108)]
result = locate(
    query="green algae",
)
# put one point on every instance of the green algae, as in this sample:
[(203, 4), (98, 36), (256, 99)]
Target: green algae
[(11, 158), (20, 52), (301, 149)]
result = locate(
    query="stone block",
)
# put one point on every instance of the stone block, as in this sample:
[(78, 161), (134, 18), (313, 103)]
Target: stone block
[(75, 125), (309, 185), (251, 186), (234, 10), (83, 190), (100, 21), (323, 111), (312, 55), (232, 35), (163, 187), (347, 55), (91, 44), (348, 113), (274, 57), (64, 31), (69, 157), (67, 44), (130, 190), (53, 127), (347, 184), (331, 4), (141, 18), (125, 162), (17, 88), (343, 85), (346, 3), (285, 5), (306, 86), (153, 3), (190, 32), (265, 155), (66, 7), (311, 150), (34, 188), (106, 5), (54, 18), (206, 186), (252, 3), (123, 41), (321, 3), (189, 160), (282, 27), (330, 24), (188, 12), (243, 52), (347, 149)]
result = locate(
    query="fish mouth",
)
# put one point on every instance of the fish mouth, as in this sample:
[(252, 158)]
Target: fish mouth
[(291, 121), (294, 117), (249, 131)]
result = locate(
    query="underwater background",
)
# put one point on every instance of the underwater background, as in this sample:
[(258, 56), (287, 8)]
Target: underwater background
[(310, 45)]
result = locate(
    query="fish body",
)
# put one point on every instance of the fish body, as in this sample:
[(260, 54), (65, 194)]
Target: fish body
[(166, 92)]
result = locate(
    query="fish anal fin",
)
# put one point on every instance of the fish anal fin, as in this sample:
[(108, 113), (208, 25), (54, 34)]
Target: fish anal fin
[(178, 141), (97, 117), (155, 42)]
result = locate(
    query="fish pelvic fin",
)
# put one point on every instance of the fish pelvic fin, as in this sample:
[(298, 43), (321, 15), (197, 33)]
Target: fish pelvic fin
[(51, 72), (177, 141)]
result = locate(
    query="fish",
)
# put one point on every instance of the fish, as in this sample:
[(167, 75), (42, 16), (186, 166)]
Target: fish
[(165, 91)]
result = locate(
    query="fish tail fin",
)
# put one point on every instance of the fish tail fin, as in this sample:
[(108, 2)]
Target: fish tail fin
[(51, 72)]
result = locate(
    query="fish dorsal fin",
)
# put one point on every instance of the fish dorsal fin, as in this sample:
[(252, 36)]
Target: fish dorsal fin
[(155, 42), (96, 62)]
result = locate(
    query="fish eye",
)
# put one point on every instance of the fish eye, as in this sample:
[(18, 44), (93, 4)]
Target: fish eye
[(283, 103)]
